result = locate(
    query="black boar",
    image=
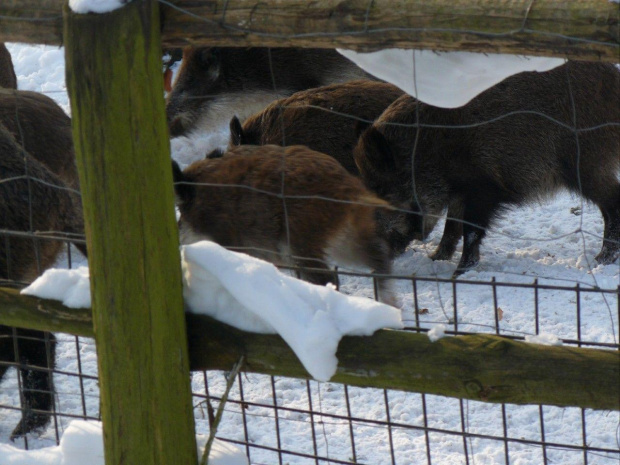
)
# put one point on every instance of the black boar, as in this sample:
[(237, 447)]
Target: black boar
[(215, 84), (43, 129), (301, 120), (32, 198), (513, 144), (8, 80)]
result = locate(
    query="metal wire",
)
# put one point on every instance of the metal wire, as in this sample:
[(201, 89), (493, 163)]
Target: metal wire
[(74, 403)]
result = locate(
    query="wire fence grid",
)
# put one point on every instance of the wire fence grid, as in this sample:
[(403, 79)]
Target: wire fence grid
[(279, 420), (282, 420)]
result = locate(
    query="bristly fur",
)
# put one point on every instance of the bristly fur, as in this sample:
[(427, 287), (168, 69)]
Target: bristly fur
[(323, 202), (214, 84), (43, 129), (515, 144), (40, 203), (8, 79), (324, 119)]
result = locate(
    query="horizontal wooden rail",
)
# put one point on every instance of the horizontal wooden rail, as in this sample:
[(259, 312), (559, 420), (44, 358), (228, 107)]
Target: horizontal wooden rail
[(580, 30), (481, 367)]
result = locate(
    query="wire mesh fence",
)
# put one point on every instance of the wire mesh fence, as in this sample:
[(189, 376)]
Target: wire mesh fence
[(284, 420), (529, 293)]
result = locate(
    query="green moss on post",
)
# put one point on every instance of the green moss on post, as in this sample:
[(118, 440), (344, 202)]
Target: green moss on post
[(121, 140)]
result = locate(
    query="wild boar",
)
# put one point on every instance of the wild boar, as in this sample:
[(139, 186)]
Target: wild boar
[(43, 129), (324, 119), (32, 199), (517, 142), (215, 84), (325, 214)]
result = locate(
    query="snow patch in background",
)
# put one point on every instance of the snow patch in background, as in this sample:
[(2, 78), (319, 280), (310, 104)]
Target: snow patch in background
[(186, 150), (252, 295), (82, 444), (445, 79), (95, 6)]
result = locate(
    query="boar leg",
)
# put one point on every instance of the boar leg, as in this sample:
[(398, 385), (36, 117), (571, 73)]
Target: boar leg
[(477, 215), (452, 232), (37, 384), (377, 258), (320, 273), (610, 251)]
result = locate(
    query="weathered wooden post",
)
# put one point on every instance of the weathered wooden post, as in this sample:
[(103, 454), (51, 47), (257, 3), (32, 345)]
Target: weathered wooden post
[(121, 139)]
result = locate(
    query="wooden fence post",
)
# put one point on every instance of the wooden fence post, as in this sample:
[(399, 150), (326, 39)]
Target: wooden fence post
[(121, 139)]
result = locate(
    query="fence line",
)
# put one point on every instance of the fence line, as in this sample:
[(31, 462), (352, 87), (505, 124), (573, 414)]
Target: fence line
[(426, 436)]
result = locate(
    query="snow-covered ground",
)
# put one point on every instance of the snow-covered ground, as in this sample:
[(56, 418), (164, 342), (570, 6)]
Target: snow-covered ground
[(554, 242)]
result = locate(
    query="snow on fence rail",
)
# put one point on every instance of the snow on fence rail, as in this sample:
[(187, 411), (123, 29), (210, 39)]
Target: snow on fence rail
[(264, 414)]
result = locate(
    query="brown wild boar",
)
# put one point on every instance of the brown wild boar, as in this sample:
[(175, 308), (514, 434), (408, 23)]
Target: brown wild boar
[(324, 119), (43, 129), (32, 198), (8, 80), (513, 144), (215, 84), (326, 215)]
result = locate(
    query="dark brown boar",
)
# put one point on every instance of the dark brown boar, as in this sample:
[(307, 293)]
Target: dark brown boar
[(215, 84), (32, 199), (43, 129), (326, 213), (324, 119), (8, 80), (513, 144)]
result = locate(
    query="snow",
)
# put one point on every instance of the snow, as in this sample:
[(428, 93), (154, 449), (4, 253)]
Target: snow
[(95, 6), (82, 443), (252, 295), (553, 242), (436, 332), (71, 287), (445, 79)]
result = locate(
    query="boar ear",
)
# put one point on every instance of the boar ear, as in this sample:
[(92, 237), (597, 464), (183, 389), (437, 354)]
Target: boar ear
[(373, 152), (215, 153), (183, 191), (210, 60), (236, 132)]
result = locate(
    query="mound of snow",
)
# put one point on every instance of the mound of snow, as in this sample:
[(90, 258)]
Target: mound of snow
[(253, 295), (445, 79), (95, 6), (82, 443), (71, 287)]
